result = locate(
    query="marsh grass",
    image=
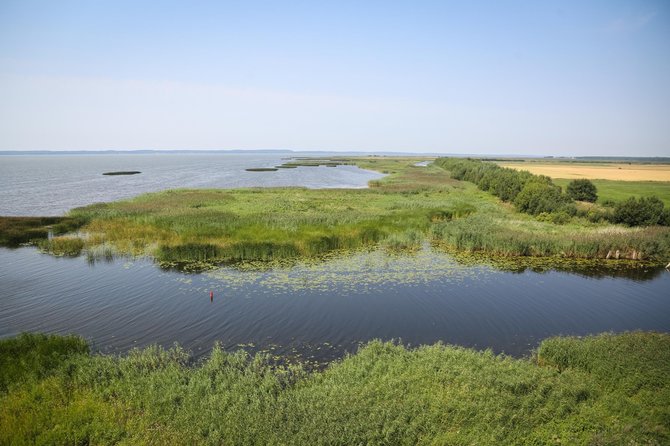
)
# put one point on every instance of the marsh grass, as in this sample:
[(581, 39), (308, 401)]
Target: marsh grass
[(607, 389), (30, 357), (410, 206), (482, 233), (15, 231), (266, 224), (62, 246)]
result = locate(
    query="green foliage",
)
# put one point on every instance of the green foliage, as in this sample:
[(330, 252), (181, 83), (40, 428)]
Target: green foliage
[(501, 182), (62, 246), (190, 252), (610, 192), (532, 194), (17, 230), (645, 211), (410, 240), (29, 357), (482, 233), (538, 197), (582, 190), (608, 389)]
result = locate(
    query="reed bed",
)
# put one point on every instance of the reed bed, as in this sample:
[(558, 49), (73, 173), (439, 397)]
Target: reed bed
[(606, 389), (15, 231)]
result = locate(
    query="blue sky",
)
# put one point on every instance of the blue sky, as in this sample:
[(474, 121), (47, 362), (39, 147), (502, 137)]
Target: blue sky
[(515, 77)]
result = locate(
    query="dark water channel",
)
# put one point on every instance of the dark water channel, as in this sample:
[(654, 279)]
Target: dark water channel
[(320, 311)]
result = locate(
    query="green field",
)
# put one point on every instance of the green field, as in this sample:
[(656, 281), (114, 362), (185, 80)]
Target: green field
[(603, 390), (621, 190)]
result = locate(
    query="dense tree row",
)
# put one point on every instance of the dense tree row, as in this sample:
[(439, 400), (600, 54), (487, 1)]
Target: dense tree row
[(532, 194), (537, 194)]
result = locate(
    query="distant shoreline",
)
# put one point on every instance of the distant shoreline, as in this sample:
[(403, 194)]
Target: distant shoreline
[(485, 157)]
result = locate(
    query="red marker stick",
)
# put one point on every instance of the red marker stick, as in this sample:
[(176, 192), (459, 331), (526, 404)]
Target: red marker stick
[(211, 296)]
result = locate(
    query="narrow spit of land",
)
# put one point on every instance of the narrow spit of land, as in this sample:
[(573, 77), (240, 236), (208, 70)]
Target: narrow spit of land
[(412, 205)]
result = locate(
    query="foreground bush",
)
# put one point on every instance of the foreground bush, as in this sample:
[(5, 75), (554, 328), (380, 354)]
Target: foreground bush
[(607, 389)]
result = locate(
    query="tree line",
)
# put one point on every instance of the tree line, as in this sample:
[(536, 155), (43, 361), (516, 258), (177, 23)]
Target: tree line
[(537, 194)]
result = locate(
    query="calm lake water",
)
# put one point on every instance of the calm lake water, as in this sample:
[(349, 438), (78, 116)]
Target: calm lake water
[(54, 184), (318, 310)]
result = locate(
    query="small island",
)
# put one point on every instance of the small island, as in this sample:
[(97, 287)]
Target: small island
[(261, 169), (123, 172)]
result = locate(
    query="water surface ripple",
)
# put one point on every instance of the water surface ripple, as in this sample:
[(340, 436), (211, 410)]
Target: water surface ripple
[(126, 303)]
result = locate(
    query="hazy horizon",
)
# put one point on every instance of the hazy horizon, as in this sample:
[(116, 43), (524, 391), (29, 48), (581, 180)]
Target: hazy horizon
[(316, 151), (481, 78)]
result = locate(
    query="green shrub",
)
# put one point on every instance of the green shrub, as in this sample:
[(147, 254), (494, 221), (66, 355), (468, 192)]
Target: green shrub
[(538, 197), (29, 356), (644, 211), (582, 190), (560, 217)]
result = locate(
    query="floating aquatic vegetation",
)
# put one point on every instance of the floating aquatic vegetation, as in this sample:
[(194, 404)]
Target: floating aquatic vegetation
[(360, 272)]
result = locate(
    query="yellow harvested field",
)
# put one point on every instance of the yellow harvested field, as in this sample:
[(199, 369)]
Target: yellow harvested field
[(605, 171)]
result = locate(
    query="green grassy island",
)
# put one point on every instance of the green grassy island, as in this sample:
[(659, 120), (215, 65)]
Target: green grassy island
[(411, 206), (600, 390)]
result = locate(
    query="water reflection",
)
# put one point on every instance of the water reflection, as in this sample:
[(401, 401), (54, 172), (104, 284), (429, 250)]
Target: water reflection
[(321, 311), (429, 259)]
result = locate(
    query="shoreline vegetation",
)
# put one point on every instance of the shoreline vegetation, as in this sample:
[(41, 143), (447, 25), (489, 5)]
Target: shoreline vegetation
[(604, 389), (412, 205)]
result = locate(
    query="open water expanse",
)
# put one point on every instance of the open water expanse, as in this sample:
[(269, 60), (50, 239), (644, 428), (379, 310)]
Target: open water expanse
[(53, 184), (315, 310)]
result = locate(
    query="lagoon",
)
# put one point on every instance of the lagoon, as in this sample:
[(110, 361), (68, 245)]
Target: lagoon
[(315, 310), (321, 311), (38, 185)]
